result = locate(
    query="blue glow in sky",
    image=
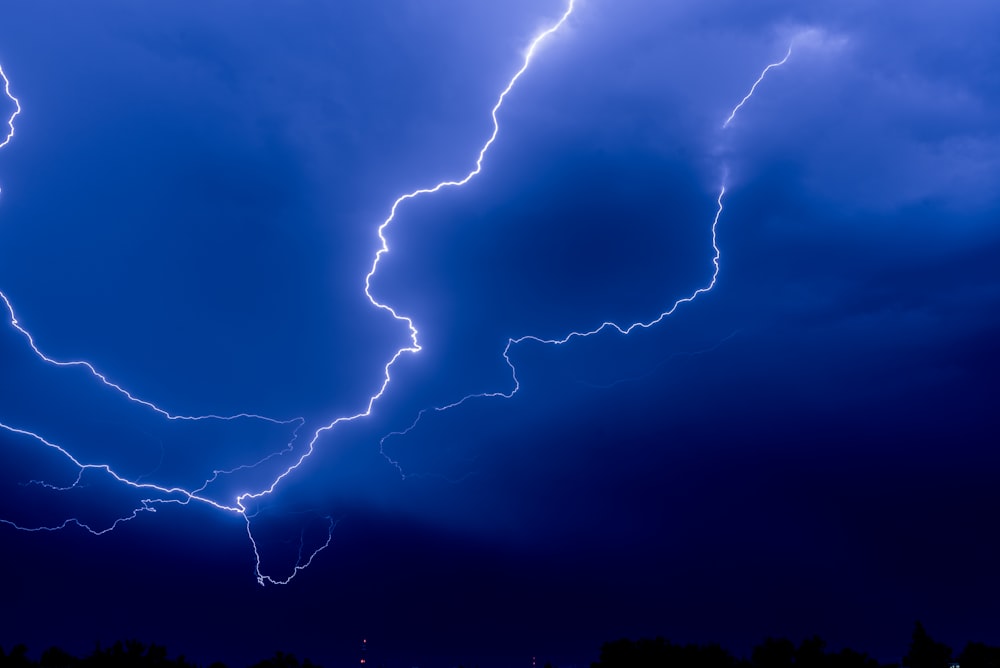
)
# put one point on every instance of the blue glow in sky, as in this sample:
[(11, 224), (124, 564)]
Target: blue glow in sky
[(192, 201)]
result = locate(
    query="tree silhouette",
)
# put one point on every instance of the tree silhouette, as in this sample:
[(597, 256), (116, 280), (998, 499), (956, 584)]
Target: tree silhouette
[(625, 653), (18, 657), (979, 655), (279, 660), (848, 658), (283, 660), (811, 654), (128, 654), (659, 653), (773, 653), (56, 657), (925, 652)]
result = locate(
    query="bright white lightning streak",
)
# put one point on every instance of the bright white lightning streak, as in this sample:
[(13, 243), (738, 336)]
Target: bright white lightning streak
[(118, 388), (384, 249), (755, 84), (607, 325), (185, 496), (17, 109)]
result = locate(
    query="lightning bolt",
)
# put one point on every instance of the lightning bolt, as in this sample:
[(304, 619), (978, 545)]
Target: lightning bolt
[(163, 494), (607, 325), (154, 495)]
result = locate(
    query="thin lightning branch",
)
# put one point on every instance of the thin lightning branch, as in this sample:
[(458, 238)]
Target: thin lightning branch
[(17, 109), (300, 565), (118, 388), (173, 493), (624, 330), (511, 342), (755, 84)]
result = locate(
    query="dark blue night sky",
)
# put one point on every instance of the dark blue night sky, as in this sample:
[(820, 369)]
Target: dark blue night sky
[(191, 200)]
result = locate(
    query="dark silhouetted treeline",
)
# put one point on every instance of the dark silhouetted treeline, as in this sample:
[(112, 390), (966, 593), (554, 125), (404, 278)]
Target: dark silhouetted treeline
[(923, 652), (129, 654)]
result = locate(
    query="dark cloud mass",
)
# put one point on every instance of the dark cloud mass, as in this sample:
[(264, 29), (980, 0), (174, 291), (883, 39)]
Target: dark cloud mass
[(190, 202)]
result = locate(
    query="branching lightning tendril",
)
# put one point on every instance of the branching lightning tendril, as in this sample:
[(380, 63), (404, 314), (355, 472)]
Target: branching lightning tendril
[(756, 83), (624, 330), (155, 495)]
